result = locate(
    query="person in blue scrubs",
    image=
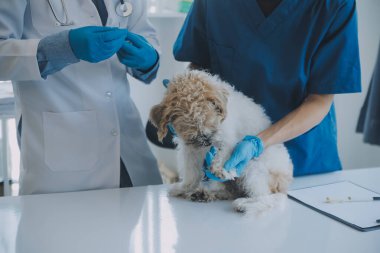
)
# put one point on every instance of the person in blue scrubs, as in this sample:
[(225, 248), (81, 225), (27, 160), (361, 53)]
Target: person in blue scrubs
[(290, 56)]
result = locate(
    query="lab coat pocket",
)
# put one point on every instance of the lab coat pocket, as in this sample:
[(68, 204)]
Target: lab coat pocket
[(71, 140), (222, 60)]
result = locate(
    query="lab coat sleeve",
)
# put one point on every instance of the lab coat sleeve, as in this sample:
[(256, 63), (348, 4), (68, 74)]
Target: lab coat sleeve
[(335, 66), (18, 61), (192, 43), (54, 53), (140, 24), (149, 76)]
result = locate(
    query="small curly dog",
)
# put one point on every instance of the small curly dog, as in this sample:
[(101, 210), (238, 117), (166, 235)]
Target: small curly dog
[(206, 111)]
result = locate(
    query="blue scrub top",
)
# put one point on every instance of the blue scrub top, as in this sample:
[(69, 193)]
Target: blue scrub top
[(302, 47)]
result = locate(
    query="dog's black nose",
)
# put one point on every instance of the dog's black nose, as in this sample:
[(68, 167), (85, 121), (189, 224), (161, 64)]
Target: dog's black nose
[(205, 140)]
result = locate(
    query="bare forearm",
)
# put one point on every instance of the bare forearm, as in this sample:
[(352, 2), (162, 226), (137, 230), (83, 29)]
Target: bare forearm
[(309, 114)]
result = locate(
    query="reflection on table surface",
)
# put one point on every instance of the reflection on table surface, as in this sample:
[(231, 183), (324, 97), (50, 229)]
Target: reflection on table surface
[(145, 219)]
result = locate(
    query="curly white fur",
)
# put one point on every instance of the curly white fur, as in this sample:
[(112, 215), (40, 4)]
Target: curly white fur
[(225, 116)]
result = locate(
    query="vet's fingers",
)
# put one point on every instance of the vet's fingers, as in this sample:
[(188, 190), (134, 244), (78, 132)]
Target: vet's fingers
[(113, 34), (129, 49), (138, 40), (234, 160), (113, 46), (130, 62), (213, 150), (241, 166), (209, 158)]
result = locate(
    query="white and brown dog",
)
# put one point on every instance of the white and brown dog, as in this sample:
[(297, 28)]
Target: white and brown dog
[(206, 111)]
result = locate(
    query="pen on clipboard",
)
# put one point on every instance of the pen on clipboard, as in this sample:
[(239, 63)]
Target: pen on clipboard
[(331, 200)]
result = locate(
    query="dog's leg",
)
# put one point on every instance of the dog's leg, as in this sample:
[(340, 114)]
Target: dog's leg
[(260, 197), (190, 173), (209, 191), (188, 183)]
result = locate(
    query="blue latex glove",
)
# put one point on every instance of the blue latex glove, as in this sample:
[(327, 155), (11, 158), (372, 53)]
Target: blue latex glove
[(96, 43), (166, 82), (137, 53), (207, 164), (250, 147)]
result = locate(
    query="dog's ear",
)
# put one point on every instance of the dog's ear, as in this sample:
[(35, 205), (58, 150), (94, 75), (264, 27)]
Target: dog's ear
[(159, 120), (156, 114), (223, 95), (221, 101)]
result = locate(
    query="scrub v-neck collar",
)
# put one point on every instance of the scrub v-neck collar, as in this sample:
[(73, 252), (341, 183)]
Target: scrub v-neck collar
[(265, 25)]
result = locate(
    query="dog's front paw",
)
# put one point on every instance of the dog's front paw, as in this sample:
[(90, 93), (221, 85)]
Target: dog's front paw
[(198, 196), (223, 174), (178, 190), (201, 196), (218, 171)]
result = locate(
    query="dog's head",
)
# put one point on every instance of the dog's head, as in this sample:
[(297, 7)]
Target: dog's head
[(195, 105)]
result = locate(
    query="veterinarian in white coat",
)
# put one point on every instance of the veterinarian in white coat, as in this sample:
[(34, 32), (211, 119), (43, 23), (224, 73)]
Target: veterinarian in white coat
[(76, 119)]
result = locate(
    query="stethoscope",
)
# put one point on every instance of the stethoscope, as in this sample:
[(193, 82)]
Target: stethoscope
[(123, 9)]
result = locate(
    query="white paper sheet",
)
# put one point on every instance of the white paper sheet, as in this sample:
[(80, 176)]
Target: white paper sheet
[(360, 214)]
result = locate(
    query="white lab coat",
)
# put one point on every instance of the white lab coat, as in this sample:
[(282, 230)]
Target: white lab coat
[(78, 122)]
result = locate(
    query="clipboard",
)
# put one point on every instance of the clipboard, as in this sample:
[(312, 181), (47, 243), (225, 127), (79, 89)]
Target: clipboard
[(361, 216)]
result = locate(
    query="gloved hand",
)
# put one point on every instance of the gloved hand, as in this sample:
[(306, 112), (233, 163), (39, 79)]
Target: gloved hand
[(250, 147), (137, 53), (210, 155), (96, 43)]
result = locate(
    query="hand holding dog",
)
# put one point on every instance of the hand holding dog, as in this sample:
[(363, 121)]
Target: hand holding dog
[(250, 147), (210, 155)]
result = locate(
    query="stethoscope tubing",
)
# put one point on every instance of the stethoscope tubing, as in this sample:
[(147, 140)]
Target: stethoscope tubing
[(67, 21), (60, 22)]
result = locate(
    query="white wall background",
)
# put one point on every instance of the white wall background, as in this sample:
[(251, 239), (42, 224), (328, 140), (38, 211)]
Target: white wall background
[(354, 153), (145, 96)]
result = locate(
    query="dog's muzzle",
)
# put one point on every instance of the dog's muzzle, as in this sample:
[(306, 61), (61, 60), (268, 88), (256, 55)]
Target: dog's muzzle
[(201, 141), (204, 141)]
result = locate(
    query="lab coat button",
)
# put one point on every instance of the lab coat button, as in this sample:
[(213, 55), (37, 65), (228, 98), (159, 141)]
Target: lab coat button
[(108, 94), (114, 132)]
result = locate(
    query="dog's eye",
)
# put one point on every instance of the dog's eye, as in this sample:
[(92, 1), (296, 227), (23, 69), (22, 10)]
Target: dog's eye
[(217, 108), (172, 118)]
